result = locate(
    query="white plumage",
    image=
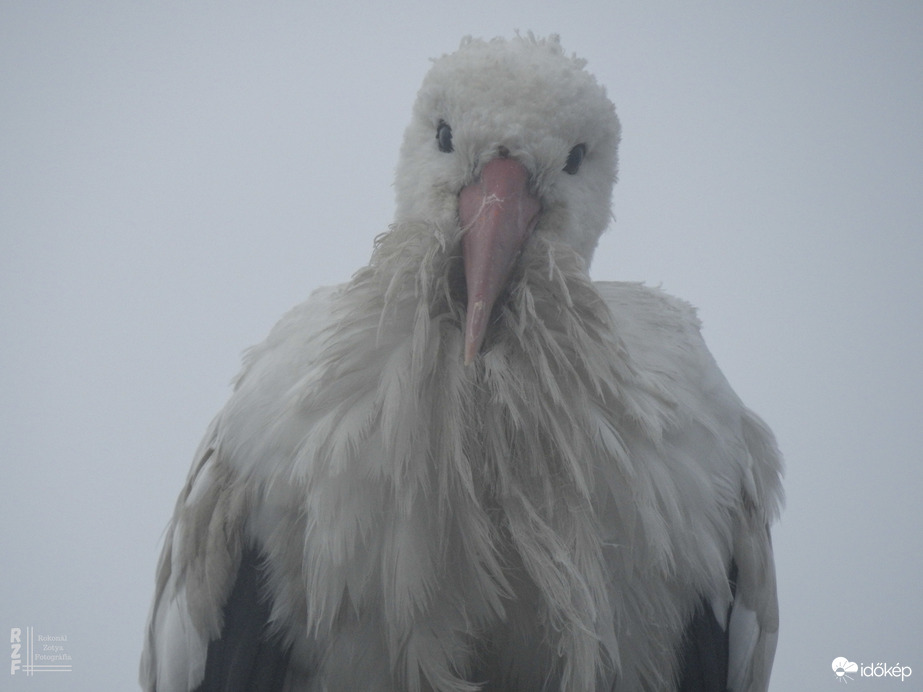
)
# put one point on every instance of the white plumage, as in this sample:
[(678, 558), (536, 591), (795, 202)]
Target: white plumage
[(471, 467)]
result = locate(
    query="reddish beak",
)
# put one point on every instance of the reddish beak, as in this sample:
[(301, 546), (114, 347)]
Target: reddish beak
[(497, 214)]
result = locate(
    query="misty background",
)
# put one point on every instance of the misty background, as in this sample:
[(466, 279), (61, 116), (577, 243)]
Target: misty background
[(174, 176)]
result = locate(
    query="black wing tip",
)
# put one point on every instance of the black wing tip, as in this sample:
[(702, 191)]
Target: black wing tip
[(246, 657), (706, 647)]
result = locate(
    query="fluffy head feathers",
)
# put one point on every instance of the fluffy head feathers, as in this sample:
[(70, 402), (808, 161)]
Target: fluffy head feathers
[(527, 96)]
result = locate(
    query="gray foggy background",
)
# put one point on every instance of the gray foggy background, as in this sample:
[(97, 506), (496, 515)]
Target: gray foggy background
[(174, 176)]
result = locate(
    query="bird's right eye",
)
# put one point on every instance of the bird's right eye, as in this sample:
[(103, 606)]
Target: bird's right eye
[(444, 137)]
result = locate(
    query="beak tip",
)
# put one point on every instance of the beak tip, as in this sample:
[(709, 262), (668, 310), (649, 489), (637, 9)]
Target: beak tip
[(474, 330)]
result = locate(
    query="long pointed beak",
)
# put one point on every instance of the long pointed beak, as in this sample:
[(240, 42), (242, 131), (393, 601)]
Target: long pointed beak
[(497, 213)]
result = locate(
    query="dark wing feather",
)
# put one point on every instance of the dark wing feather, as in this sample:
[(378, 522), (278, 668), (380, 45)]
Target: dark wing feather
[(706, 646), (246, 657)]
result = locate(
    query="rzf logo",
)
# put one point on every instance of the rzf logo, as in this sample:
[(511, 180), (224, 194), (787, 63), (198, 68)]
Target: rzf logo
[(15, 645)]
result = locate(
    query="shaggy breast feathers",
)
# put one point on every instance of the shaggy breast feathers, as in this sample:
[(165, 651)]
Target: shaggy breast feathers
[(615, 510)]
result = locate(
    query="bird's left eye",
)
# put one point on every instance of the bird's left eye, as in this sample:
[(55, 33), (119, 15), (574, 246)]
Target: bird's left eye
[(575, 158), (444, 137)]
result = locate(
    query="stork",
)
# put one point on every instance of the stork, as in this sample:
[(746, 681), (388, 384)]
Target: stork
[(471, 467)]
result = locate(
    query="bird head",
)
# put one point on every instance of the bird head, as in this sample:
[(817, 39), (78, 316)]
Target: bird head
[(509, 141)]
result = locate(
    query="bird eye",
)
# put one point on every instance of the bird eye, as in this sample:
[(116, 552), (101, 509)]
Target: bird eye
[(575, 158), (444, 137)]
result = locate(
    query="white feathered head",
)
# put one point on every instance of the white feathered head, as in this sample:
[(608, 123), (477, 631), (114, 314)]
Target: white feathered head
[(509, 139)]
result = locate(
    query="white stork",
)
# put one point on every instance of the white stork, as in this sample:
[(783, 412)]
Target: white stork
[(471, 467)]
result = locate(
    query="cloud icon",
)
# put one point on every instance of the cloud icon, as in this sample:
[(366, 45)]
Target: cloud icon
[(841, 666)]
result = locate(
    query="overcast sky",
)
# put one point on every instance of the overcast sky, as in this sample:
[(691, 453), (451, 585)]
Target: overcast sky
[(176, 175)]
